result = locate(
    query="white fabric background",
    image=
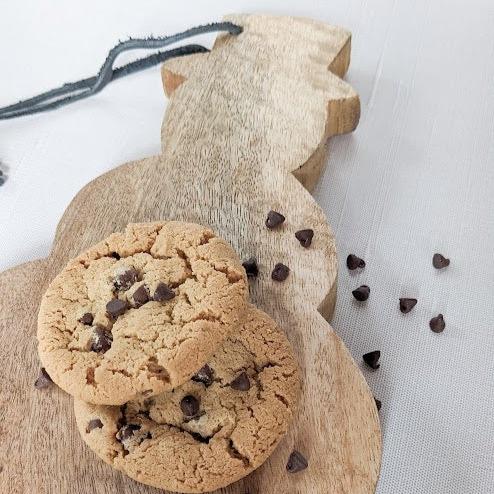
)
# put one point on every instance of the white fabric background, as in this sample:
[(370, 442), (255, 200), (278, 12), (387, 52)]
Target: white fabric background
[(416, 177)]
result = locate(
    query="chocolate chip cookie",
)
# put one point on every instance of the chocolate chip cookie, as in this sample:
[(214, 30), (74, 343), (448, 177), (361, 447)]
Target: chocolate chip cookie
[(140, 312), (212, 430)]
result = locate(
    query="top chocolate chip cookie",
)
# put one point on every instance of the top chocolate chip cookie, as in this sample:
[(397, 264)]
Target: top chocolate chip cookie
[(140, 312)]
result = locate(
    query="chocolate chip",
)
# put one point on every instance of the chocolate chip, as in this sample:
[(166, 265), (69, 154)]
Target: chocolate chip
[(101, 339), (437, 324), (251, 268), (44, 380), (361, 293), (274, 219), (127, 431), (116, 307), (141, 296), (204, 375), (123, 281), (189, 406), (296, 462), (378, 403), (280, 272), (305, 237), (354, 262), (407, 304), (241, 382), (439, 261), (94, 424), (115, 255), (163, 292), (372, 358), (87, 319)]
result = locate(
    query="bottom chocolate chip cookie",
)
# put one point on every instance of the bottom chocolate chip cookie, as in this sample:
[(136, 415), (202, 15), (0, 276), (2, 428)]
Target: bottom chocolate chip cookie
[(212, 430)]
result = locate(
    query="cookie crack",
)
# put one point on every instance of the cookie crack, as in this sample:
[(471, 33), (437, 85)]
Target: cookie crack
[(235, 453)]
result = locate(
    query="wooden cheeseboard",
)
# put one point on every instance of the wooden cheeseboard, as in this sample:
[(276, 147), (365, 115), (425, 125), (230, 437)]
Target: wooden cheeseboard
[(244, 132)]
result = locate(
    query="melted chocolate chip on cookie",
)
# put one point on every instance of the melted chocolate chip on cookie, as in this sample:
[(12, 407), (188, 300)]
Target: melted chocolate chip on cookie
[(123, 281), (189, 406), (87, 319), (94, 424), (204, 375), (101, 339), (241, 382), (141, 296), (163, 292), (116, 307), (127, 431)]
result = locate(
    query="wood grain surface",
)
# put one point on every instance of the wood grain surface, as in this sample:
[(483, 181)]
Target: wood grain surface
[(245, 128)]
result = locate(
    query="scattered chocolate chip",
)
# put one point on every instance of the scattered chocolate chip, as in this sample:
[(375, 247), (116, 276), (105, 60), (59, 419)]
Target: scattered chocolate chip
[(274, 219), (127, 431), (354, 262), (439, 261), (437, 324), (101, 339), (378, 403), (280, 272), (361, 293), (115, 255), (116, 307), (123, 281), (44, 380), (251, 268), (305, 237), (241, 382), (163, 292), (87, 319), (204, 375), (407, 304), (141, 296), (372, 358), (94, 424), (189, 406), (296, 462)]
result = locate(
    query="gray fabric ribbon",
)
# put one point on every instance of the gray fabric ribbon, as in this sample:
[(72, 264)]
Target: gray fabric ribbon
[(75, 91)]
